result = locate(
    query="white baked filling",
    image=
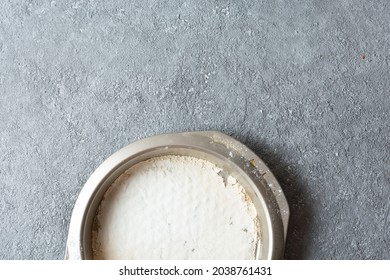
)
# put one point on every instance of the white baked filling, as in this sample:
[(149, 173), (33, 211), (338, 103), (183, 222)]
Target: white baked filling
[(175, 207)]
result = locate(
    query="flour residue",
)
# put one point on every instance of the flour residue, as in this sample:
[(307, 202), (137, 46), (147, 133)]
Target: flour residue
[(175, 207)]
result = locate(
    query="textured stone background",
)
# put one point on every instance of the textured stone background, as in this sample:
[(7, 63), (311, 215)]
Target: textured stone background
[(305, 84)]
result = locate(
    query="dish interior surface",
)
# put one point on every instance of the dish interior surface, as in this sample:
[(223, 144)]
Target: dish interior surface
[(175, 207), (228, 168)]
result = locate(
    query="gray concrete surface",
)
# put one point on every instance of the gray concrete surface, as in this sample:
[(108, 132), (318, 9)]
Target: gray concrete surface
[(305, 84)]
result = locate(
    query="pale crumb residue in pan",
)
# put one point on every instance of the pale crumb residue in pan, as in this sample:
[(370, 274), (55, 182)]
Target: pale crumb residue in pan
[(175, 207)]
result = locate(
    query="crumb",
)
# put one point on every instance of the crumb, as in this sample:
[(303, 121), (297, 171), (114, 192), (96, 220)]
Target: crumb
[(173, 172)]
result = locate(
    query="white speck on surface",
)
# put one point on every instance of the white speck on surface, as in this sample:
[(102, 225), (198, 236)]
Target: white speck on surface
[(175, 207), (231, 180)]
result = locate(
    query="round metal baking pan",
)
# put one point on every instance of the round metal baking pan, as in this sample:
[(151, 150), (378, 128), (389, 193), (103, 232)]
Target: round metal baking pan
[(227, 153)]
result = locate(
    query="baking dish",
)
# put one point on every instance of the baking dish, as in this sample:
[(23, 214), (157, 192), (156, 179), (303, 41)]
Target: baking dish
[(234, 158)]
